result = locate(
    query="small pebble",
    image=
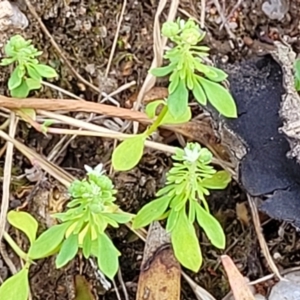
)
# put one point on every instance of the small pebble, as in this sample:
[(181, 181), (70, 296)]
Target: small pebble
[(285, 290)]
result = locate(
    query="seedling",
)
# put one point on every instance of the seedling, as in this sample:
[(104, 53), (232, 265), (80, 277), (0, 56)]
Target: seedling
[(28, 72), (187, 72), (182, 202), (83, 224), (82, 227)]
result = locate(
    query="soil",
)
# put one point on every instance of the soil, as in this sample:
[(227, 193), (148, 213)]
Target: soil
[(85, 31)]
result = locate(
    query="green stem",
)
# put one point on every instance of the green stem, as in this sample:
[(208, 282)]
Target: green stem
[(15, 247), (157, 122)]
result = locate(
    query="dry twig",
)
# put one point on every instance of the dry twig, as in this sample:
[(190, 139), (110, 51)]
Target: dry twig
[(7, 175), (260, 237)]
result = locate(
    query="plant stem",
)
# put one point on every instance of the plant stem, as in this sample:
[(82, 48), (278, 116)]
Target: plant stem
[(15, 247), (157, 122)]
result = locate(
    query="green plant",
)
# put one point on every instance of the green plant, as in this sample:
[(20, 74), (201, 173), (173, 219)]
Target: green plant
[(187, 73), (182, 202), (82, 227), (17, 286), (28, 72), (297, 74), (83, 224)]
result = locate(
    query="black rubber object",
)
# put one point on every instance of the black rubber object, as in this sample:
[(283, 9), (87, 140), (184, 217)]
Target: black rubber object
[(256, 85)]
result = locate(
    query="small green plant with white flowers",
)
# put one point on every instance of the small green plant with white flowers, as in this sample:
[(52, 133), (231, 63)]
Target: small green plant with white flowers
[(82, 227), (188, 72), (28, 72), (182, 202), (84, 223)]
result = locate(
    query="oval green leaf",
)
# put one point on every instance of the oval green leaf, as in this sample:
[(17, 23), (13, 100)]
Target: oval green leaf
[(15, 78), (87, 245), (7, 61), (174, 80), (150, 212), (211, 227), (198, 92), (219, 97), (107, 256), (24, 222), (16, 287), (218, 181), (21, 91), (33, 84), (170, 119), (45, 71), (185, 243), (121, 217), (127, 155), (215, 74), (162, 71), (33, 73), (68, 251), (48, 241), (178, 100)]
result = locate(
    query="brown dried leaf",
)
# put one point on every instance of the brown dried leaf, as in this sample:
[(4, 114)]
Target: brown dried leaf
[(239, 287), (242, 213)]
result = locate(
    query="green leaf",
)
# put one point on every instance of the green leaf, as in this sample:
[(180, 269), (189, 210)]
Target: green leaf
[(185, 243), (68, 251), (24, 222), (121, 217), (108, 256), (178, 100), (21, 91), (30, 112), (198, 92), (127, 155), (190, 80), (162, 71), (219, 98), (216, 74), (48, 241), (218, 181), (87, 245), (16, 78), (33, 73), (172, 220), (174, 80), (151, 108), (297, 84), (211, 227), (7, 61), (185, 117), (33, 84), (16, 287), (45, 71), (151, 211), (297, 68)]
